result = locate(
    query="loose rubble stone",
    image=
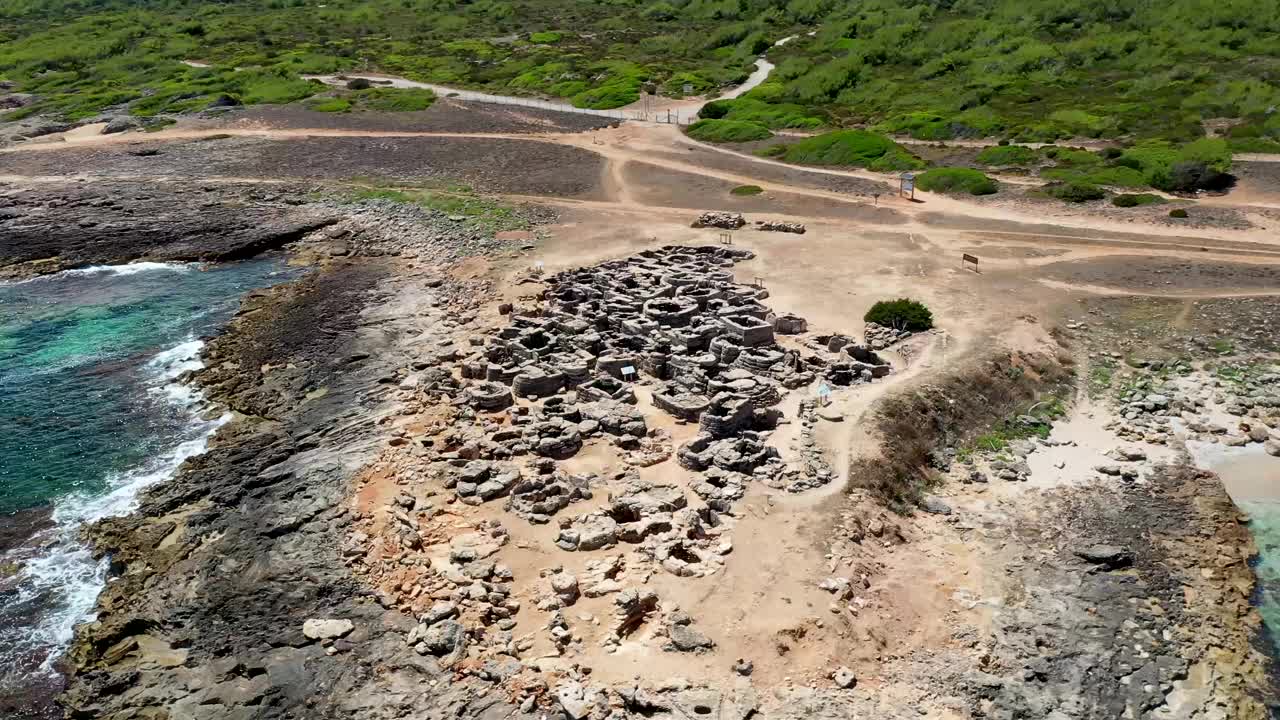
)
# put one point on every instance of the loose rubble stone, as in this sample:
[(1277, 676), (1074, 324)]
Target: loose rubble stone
[(779, 226), (844, 678), (726, 220)]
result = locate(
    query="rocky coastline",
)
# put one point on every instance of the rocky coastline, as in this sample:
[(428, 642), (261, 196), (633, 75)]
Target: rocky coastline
[(249, 586)]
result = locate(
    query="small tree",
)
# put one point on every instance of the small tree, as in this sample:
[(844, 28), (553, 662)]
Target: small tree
[(900, 314)]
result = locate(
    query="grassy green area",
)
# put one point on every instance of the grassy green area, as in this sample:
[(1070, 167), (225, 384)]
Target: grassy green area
[(476, 210), (1027, 70), (1007, 155), (381, 99), (727, 131), (1037, 421), (853, 148), (329, 104), (956, 180), (745, 190)]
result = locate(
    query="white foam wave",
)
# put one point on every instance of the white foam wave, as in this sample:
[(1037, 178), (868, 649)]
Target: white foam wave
[(58, 571), (176, 360), (129, 269)]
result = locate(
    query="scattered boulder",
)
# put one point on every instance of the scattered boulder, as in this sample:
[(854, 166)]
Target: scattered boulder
[(725, 220), (322, 629), (1109, 556), (844, 678)]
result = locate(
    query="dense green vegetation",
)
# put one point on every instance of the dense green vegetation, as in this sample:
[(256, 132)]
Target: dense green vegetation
[(1031, 70), (956, 180), (900, 314), (455, 201), (1201, 164), (1008, 155), (82, 56), (746, 190), (725, 131), (853, 148)]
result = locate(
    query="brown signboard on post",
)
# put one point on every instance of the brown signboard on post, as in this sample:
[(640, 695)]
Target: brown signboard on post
[(966, 260)]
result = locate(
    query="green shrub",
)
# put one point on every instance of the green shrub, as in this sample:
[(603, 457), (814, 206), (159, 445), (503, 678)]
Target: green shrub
[(715, 110), (747, 190), (855, 148), (1177, 213), (900, 314), (727, 131), (772, 151), (956, 180), (359, 84), (545, 38), (771, 115), (1136, 200), (1074, 192), (1007, 155)]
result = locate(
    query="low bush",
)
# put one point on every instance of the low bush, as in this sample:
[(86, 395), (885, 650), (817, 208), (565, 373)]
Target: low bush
[(956, 180), (1074, 192), (770, 115), (747, 190), (1007, 155), (772, 151), (727, 131), (1134, 200), (855, 148), (545, 38), (900, 314), (359, 84), (1177, 213)]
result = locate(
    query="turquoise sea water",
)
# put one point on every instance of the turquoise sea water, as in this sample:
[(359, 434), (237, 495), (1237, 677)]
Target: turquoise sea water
[(92, 410)]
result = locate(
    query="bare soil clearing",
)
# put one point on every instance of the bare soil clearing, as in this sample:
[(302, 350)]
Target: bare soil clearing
[(1164, 274)]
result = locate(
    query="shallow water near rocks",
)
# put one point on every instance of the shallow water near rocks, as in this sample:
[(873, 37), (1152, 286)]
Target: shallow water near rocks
[(92, 410), (1252, 479)]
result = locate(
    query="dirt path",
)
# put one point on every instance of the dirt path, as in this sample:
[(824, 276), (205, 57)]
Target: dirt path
[(1126, 292), (644, 143)]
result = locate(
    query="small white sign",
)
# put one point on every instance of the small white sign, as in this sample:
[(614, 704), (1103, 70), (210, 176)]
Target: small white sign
[(824, 390), (628, 370)]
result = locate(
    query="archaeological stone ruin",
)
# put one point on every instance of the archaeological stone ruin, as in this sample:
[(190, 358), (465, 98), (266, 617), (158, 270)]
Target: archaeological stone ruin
[(616, 354)]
